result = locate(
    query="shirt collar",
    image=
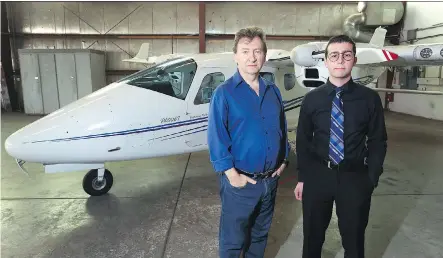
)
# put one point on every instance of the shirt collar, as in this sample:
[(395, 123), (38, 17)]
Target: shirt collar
[(238, 79), (347, 87)]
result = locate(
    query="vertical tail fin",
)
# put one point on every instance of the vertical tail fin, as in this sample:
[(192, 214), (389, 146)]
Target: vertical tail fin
[(378, 39), (143, 52), (142, 55)]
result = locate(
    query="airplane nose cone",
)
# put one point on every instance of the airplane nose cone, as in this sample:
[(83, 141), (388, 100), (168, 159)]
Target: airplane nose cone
[(11, 146), (93, 129), (67, 135), (19, 144), (34, 142), (40, 141)]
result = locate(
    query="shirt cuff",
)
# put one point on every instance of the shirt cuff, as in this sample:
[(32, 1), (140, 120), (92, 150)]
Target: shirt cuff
[(222, 165)]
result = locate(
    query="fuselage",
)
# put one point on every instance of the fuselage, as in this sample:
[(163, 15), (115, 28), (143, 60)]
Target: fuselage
[(159, 111)]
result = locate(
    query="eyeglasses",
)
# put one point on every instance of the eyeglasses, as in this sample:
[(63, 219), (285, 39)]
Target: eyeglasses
[(348, 56)]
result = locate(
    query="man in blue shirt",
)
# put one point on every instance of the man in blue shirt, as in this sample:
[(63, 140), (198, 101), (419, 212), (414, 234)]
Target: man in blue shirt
[(248, 147)]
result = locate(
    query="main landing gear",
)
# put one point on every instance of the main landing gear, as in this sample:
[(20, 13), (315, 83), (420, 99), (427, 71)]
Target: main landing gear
[(97, 182)]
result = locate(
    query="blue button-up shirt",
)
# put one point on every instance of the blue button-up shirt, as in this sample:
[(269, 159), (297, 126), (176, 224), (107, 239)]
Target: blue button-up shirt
[(247, 131)]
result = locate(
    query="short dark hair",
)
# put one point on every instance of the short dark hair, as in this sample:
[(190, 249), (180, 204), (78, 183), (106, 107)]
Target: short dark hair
[(340, 39), (250, 33)]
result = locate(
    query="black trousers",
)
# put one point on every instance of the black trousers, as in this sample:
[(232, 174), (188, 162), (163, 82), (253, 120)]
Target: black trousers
[(351, 191)]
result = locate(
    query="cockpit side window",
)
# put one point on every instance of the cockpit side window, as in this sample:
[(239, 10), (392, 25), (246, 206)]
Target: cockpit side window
[(209, 83), (173, 77), (289, 81)]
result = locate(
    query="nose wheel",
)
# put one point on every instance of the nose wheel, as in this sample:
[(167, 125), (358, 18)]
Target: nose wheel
[(97, 182)]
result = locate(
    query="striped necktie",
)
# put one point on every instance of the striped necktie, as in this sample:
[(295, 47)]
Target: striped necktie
[(336, 143)]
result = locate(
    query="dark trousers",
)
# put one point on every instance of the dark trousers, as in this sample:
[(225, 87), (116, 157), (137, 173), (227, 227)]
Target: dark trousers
[(246, 217), (351, 191)]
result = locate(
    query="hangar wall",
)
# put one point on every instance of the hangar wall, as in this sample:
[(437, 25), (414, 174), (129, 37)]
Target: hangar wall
[(423, 15), (43, 24), (119, 28)]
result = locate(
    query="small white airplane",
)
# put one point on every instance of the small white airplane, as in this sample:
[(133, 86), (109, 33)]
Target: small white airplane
[(373, 59), (163, 110)]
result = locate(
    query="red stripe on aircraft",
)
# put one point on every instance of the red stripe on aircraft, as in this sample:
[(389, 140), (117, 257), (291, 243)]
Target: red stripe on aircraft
[(386, 55), (393, 55)]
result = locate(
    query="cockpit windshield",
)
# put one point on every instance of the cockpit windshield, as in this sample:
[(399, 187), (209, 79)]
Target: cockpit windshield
[(173, 77)]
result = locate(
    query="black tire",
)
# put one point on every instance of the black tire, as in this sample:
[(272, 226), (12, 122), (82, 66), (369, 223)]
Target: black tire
[(90, 184)]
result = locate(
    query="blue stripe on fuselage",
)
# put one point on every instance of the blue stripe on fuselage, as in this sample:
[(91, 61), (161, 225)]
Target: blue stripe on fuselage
[(288, 105), (132, 131)]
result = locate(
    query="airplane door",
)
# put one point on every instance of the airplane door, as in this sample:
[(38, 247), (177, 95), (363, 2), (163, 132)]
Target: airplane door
[(291, 93), (204, 84)]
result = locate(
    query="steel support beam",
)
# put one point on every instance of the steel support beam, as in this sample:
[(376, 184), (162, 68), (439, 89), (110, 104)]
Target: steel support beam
[(164, 36), (393, 30), (202, 27), (6, 59)]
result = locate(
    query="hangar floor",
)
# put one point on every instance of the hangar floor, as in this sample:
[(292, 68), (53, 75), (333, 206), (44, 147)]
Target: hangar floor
[(169, 207)]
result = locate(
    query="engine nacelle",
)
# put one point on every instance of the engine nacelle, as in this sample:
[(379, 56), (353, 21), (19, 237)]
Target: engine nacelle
[(302, 55)]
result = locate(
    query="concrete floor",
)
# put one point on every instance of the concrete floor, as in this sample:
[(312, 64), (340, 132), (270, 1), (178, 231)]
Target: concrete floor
[(169, 207)]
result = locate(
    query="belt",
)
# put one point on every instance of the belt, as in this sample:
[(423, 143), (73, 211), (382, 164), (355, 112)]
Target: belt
[(345, 164), (262, 175)]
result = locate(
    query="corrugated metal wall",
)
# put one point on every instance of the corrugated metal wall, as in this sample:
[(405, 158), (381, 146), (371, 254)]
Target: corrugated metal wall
[(119, 28)]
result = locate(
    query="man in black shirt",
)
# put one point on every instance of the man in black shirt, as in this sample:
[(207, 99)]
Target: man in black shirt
[(341, 147)]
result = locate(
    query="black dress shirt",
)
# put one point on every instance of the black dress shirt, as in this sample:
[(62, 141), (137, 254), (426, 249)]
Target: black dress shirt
[(364, 128)]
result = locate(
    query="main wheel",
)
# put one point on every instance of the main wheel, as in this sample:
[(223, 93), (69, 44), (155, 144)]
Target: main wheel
[(93, 187)]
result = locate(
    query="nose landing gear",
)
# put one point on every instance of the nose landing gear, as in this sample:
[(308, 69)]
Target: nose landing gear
[(97, 181)]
